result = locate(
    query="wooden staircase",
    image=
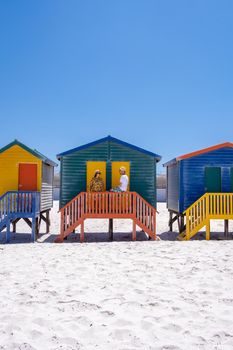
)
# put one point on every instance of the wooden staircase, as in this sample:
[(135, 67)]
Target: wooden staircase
[(211, 206), (107, 205), (15, 205)]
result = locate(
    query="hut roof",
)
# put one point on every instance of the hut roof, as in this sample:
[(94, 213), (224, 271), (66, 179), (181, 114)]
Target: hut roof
[(33, 152), (197, 153), (113, 139)]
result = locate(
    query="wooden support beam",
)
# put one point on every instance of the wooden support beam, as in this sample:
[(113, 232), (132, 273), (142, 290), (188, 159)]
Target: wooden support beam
[(8, 231), (226, 228), (37, 227), (42, 217), (173, 219), (82, 232), (110, 229), (180, 220), (179, 224), (170, 223), (134, 235), (14, 224), (33, 229), (28, 222), (208, 230), (182, 225), (47, 221)]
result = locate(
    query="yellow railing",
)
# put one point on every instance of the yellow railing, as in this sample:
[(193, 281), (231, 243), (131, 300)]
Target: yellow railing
[(209, 206)]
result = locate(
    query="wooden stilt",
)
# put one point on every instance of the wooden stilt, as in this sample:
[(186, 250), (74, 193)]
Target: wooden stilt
[(28, 221), (82, 232), (134, 235), (47, 221), (226, 228), (8, 231), (170, 221), (179, 224), (182, 223), (37, 227), (208, 230), (39, 223), (110, 229), (14, 224), (33, 229)]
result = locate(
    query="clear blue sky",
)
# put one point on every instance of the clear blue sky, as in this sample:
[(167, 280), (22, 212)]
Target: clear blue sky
[(155, 73)]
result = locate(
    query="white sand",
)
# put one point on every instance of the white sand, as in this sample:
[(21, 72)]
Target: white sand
[(116, 295)]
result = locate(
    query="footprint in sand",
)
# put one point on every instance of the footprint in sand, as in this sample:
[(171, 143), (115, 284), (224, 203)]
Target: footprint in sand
[(23, 346), (108, 313), (173, 327), (83, 321), (169, 347), (76, 305)]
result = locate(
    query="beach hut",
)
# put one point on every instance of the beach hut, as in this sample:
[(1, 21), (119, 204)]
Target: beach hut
[(108, 155), (199, 188), (26, 187)]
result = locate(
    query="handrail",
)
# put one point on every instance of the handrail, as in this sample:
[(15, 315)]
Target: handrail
[(104, 192), (146, 214), (220, 204), (19, 202), (210, 205), (196, 215), (17, 192), (108, 204)]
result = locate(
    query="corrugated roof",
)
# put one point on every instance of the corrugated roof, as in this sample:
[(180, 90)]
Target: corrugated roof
[(197, 153), (33, 152), (109, 138)]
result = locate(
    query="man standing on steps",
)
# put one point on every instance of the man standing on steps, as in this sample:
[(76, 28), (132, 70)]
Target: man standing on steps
[(124, 181)]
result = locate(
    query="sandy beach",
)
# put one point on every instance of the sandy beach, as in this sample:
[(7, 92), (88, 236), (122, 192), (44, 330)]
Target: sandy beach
[(116, 295)]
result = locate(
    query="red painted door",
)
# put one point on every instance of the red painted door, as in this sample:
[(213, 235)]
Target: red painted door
[(27, 177)]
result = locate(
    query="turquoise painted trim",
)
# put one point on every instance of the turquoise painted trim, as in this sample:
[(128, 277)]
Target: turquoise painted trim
[(33, 152), (113, 139)]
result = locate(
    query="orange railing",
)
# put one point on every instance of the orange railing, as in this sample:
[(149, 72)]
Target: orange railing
[(108, 205)]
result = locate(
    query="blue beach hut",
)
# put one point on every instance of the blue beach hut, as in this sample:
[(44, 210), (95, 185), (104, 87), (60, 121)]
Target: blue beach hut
[(195, 174)]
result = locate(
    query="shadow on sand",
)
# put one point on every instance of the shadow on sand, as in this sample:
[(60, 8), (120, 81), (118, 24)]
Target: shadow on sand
[(95, 237), (200, 236), (16, 238), (90, 237)]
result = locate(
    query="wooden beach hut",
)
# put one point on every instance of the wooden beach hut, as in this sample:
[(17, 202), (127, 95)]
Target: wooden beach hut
[(26, 187), (108, 155), (200, 189)]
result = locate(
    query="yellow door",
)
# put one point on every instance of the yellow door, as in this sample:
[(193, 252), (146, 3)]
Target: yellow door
[(116, 174), (91, 168)]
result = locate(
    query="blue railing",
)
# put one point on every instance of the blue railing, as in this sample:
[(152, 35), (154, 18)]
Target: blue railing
[(19, 204)]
